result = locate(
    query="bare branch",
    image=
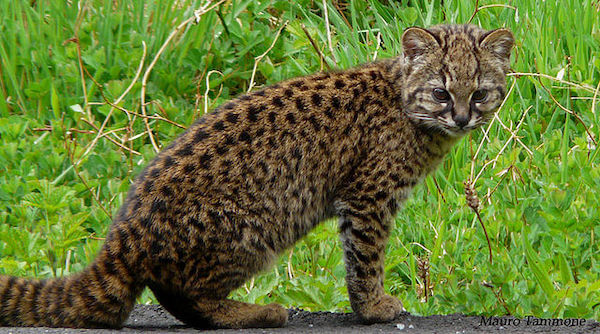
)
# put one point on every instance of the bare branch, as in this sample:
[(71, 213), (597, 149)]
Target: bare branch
[(259, 58), (196, 17), (325, 11)]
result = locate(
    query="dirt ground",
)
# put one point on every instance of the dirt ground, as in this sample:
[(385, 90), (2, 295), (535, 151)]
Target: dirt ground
[(152, 318)]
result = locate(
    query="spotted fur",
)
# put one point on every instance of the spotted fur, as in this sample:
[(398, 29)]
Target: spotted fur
[(247, 181)]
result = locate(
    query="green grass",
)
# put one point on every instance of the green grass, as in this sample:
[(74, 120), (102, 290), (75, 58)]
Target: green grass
[(539, 194)]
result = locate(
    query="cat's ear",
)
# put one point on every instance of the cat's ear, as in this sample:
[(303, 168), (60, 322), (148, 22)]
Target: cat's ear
[(417, 41), (498, 42)]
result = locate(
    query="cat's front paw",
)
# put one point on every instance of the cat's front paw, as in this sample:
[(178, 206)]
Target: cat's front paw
[(385, 309)]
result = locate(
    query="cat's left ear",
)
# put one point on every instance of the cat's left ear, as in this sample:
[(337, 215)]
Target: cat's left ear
[(499, 42)]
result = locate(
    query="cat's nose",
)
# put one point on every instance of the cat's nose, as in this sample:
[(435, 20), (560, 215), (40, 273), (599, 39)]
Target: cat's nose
[(461, 120)]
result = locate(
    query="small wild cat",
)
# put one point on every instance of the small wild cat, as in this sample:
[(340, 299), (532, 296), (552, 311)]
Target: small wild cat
[(247, 181)]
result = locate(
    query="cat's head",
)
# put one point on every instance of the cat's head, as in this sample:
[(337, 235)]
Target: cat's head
[(454, 75)]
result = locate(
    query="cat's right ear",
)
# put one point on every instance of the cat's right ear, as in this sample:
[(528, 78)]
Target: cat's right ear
[(499, 41), (417, 41)]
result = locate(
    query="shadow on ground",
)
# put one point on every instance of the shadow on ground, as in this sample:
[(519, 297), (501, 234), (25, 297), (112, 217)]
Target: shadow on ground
[(154, 319)]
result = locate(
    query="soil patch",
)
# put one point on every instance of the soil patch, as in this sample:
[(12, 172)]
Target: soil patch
[(153, 318)]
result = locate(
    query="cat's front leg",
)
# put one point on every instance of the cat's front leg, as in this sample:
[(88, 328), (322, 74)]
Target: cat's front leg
[(364, 236)]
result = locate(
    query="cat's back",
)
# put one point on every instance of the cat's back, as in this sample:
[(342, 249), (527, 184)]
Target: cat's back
[(274, 156)]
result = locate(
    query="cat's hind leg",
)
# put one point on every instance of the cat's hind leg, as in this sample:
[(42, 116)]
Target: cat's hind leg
[(221, 313), (227, 313)]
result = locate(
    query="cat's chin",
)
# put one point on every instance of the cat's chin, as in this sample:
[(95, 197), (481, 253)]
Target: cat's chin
[(455, 133)]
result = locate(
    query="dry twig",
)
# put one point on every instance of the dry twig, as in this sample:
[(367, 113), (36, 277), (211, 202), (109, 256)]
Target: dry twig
[(70, 153), (571, 112), (378, 45), (473, 203), (314, 45), (478, 9), (487, 130), (208, 88), (196, 17), (325, 11), (113, 105), (549, 77), (257, 59)]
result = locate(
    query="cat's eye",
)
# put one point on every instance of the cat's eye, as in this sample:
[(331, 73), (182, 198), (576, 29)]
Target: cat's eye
[(441, 95), (479, 95)]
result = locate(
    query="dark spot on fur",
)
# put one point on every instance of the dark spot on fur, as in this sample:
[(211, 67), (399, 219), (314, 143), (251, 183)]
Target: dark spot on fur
[(329, 113), (272, 143), (350, 106), (364, 238), (229, 140), (253, 112), (313, 121), (219, 126), (159, 206), (392, 205), (169, 161), (339, 84), (148, 186), (245, 137), (347, 130), (189, 168), (297, 83), (380, 195), (359, 185), (335, 102), (220, 150), (188, 149), (199, 136), (154, 173), (232, 117), (277, 102), (272, 116), (264, 167), (386, 92), (205, 159), (300, 104), (137, 205), (297, 153), (166, 191), (290, 118), (214, 216), (316, 99)]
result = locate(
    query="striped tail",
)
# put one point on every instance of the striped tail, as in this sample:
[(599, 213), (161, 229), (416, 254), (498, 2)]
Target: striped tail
[(102, 296)]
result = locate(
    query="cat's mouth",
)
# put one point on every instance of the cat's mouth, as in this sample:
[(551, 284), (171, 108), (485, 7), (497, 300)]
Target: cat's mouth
[(457, 129)]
